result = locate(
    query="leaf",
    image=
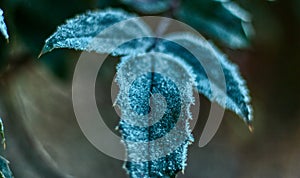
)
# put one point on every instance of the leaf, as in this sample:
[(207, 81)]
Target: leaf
[(78, 33), (237, 95), (5, 171), (149, 6), (3, 27), (157, 135), (156, 77), (4, 168), (224, 21), (2, 133), (91, 32)]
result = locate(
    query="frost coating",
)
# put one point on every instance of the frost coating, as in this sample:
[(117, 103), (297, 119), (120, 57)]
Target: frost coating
[(89, 32), (237, 94), (3, 27), (160, 148), (5, 172), (150, 66)]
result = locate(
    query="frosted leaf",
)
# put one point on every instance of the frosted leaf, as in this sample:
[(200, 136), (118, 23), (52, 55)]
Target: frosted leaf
[(99, 31), (134, 47), (3, 27), (236, 97), (4, 168), (5, 172), (149, 6), (2, 134), (156, 78), (222, 20), (156, 136)]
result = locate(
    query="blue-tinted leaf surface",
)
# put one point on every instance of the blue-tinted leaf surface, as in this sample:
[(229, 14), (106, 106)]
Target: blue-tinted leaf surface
[(224, 21), (237, 96), (5, 171), (3, 27), (156, 136), (99, 31), (149, 6)]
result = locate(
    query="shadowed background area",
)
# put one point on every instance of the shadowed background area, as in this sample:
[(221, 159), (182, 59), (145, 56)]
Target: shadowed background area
[(44, 139)]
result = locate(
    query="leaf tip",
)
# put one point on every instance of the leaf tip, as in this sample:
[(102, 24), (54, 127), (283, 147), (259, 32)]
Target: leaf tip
[(250, 127), (4, 145), (43, 51), (182, 171)]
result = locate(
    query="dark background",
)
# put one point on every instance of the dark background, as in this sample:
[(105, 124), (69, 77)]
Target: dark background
[(44, 139)]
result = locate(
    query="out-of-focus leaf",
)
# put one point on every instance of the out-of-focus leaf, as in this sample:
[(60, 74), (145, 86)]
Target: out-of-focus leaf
[(33, 20), (224, 21), (296, 6), (237, 95), (149, 6), (3, 27), (5, 171), (108, 3), (156, 136), (83, 32)]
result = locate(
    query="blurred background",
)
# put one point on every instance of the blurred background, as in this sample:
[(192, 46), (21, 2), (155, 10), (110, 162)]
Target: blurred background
[(44, 139)]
